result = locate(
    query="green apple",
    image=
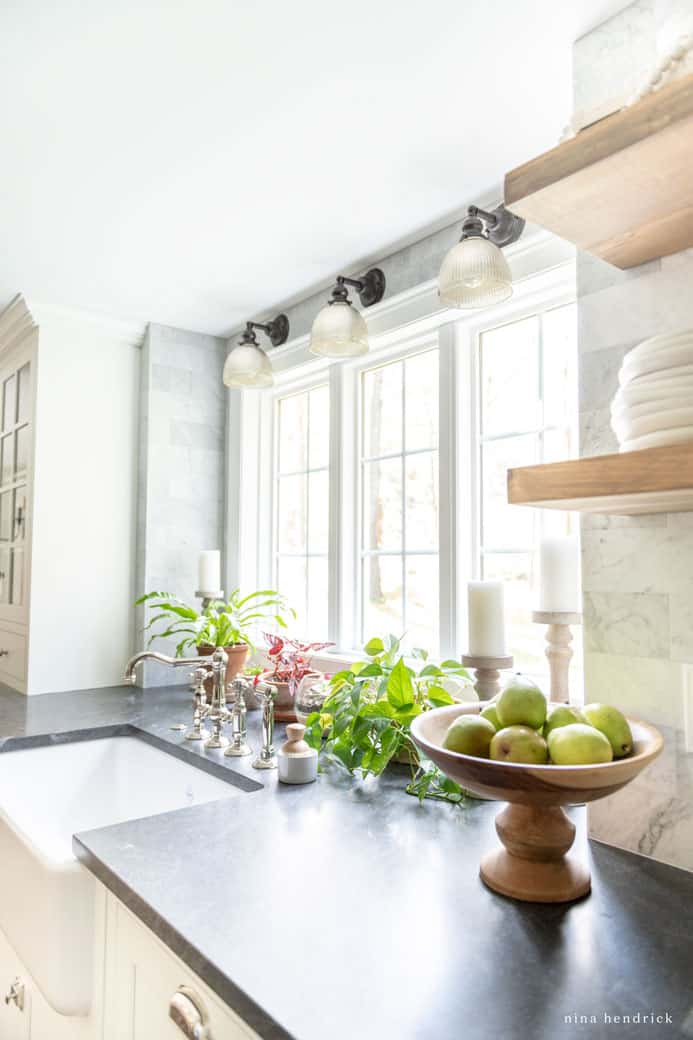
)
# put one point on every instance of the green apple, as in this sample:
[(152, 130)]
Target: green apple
[(469, 735), (578, 745), (519, 744), (561, 715), (613, 724), (490, 712), (521, 704)]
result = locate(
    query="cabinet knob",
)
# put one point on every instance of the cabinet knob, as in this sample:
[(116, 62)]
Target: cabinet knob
[(16, 994), (188, 1012)]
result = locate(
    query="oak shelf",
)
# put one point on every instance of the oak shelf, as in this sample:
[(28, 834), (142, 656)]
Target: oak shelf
[(654, 480), (621, 189)]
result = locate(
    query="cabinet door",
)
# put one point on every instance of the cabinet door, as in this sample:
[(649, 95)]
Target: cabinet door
[(145, 978), (16, 454), (15, 1024)]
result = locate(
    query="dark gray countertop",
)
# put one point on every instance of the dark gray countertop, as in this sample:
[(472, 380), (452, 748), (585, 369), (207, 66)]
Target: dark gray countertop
[(345, 909)]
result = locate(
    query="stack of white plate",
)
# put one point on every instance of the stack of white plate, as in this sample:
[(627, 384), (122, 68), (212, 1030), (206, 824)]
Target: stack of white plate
[(654, 402)]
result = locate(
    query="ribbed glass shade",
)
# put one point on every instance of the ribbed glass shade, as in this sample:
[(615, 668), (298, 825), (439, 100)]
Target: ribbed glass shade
[(247, 365), (474, 274), (339, 331)]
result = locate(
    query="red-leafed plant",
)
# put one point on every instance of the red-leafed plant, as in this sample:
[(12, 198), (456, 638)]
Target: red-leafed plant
[(290, 660)]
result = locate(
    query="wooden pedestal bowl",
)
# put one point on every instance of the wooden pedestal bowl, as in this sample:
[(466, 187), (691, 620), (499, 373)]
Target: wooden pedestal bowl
[(535, 832)]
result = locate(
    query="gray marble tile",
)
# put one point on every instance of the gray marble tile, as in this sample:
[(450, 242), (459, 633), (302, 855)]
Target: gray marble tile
[(681, 606), (598, 376), (595, 274), (596, 435), (635, 624)]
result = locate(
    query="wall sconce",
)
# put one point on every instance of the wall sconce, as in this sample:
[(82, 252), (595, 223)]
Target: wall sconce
[(475, 273), (247, 364), (339, 330)]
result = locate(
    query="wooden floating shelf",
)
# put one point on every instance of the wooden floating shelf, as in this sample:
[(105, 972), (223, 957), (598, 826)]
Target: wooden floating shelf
[(655, 480), (623, 187)]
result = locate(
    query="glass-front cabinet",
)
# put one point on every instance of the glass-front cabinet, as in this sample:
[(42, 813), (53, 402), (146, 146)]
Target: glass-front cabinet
[(18, 353), (15, 451)]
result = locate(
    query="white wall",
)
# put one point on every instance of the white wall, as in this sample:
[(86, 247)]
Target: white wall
[(83, 554)]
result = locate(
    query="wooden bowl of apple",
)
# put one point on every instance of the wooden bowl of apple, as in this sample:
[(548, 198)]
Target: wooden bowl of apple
[(537, 757)]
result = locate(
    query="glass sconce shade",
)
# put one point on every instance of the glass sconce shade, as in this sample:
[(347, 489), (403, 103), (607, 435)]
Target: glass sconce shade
[(474, 274), (247, 365), (339, 331)]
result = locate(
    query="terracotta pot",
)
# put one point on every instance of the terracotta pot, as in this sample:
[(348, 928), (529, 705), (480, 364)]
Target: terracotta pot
[(237, 656)]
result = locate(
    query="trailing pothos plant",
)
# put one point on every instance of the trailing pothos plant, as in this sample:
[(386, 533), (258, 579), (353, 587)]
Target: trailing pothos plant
[(365, 720), (222, 623)]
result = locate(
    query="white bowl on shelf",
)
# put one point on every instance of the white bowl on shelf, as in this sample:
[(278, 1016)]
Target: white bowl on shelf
[(629, 427), (658, 361), (653, 405), (677, 435)]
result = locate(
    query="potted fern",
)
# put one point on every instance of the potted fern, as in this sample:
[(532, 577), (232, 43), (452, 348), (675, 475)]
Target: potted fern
[(223, 623)]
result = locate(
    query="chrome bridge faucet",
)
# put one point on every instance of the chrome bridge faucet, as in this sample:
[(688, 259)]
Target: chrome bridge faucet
[(216, 710)]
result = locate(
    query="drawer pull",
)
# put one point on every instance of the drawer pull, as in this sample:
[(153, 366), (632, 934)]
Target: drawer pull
[(188, 1012), (16, 994), (4, 653)]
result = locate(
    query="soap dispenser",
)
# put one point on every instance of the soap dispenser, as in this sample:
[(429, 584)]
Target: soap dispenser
[(298, 762)]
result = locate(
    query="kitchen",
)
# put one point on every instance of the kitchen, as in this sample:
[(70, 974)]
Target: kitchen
[(447, 443)]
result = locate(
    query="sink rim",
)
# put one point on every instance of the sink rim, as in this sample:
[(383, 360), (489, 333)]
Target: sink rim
[(180, 752)]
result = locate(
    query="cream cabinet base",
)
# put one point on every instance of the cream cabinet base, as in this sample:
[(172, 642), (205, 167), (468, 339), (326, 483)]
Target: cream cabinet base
[(142, 978)]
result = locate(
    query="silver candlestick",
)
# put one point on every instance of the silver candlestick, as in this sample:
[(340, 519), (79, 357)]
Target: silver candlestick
[(487, 671), (558, 650)]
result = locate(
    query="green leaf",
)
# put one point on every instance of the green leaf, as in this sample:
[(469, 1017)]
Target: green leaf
[(381, 709), (374, 646), (400, 690), (454, 666), (439, 697), (419, 653), (430, 670), (370, 669)]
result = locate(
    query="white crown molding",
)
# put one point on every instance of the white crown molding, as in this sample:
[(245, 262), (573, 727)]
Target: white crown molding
[(128, 332), (16, 321)]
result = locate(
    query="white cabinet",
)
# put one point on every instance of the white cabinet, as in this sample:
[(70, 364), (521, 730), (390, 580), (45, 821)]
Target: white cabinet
[(18, 355), (142, 979), (15, 1020)]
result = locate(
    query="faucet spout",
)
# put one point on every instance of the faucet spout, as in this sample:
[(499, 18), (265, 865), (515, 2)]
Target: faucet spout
[(218, 661), (151, 655)]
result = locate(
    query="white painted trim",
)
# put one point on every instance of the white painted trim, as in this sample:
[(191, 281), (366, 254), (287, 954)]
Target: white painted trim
[(129, 333)]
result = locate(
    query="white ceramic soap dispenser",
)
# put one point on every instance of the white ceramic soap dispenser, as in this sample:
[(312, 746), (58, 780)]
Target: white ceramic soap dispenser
[(298, 763)]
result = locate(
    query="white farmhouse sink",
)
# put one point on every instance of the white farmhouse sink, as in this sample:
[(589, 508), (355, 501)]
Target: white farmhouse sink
[(47, 794)]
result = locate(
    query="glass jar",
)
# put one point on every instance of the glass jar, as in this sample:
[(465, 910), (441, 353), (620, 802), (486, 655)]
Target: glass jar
[(310, 696)]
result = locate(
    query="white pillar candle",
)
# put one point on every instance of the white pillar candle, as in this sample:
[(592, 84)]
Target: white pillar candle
[(559, 575), (209, 571), (486, 619)]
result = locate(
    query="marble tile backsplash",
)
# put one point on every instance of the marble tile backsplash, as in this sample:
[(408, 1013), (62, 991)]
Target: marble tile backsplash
[(182, 467), (637, 571)]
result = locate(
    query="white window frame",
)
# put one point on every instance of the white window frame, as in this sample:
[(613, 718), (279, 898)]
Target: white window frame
[(543, 269)]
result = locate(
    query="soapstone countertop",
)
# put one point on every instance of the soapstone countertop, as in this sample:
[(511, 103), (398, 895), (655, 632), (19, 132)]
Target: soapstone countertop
[(345, 910)]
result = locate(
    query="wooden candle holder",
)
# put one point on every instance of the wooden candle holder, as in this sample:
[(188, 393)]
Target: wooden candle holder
[(487, 671), (558, 649)]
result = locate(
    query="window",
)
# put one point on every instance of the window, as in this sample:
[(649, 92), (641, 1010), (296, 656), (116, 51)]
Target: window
[(372, 490), (399, 496), (301, 520), (528, 414)]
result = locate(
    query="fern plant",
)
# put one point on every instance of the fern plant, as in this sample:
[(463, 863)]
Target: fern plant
[(222, 623)]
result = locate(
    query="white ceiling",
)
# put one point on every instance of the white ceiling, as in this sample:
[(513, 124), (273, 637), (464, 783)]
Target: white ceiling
[(194, 162)]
